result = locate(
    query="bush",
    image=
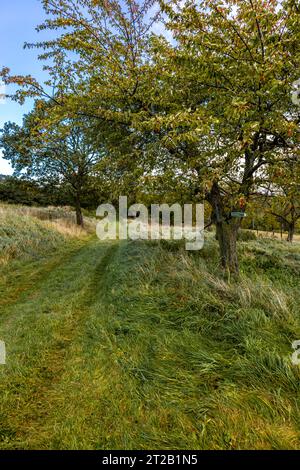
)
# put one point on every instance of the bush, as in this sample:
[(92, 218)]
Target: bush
[(246, 235)]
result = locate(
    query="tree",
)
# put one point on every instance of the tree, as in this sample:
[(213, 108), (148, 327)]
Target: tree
[(225, 90), (62, 153), (105, 80), (285, 192)]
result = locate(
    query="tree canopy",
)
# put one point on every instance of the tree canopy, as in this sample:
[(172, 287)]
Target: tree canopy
[(210, 97)]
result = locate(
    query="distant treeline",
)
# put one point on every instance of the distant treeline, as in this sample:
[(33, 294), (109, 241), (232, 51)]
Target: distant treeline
[(33, 193)]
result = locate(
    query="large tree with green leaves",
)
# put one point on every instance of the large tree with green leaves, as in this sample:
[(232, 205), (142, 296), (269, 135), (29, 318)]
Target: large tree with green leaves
[(97, 64), (225, 93)]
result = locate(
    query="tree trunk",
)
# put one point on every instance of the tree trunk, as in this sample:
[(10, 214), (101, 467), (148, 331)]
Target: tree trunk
[(224, 204), (226, 229), (79, 216), (291, 231), (226, 234)]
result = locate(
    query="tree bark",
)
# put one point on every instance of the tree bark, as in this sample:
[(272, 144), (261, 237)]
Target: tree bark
[(226, 234), (291, 231), (226, 229), (79, 216)]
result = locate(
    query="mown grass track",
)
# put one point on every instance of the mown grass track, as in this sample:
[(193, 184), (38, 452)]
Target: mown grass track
[(134, 345)]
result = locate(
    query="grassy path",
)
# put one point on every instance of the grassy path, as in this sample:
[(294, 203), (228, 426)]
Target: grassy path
[(28, 276), (41, 322), (142, 346)]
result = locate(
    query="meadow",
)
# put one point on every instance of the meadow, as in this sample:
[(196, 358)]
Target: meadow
[(143, 345)]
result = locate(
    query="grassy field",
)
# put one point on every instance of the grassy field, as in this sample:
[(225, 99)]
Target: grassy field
[(142, 345)]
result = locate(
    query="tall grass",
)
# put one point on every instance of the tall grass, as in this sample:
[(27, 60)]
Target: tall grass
[(29, 233), (142, 345), (195, 360)]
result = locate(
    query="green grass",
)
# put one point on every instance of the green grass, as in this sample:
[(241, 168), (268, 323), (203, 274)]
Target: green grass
[(142, 345)]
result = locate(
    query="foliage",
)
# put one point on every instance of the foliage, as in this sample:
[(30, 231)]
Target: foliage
[(285, 189), (62, 154)]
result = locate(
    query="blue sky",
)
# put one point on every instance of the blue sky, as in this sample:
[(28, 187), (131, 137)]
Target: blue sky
[(18, 21)]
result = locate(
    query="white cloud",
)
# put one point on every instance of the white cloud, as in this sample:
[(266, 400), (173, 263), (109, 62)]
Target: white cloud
[(5, 168)]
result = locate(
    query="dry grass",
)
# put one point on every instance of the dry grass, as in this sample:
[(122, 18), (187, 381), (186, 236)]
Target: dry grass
[(275, 235), (29, 232)]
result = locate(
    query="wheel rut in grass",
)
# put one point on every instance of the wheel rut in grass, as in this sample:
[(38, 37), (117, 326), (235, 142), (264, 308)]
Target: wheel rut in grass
[(96, 282), (20, 282), (68, 335)]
